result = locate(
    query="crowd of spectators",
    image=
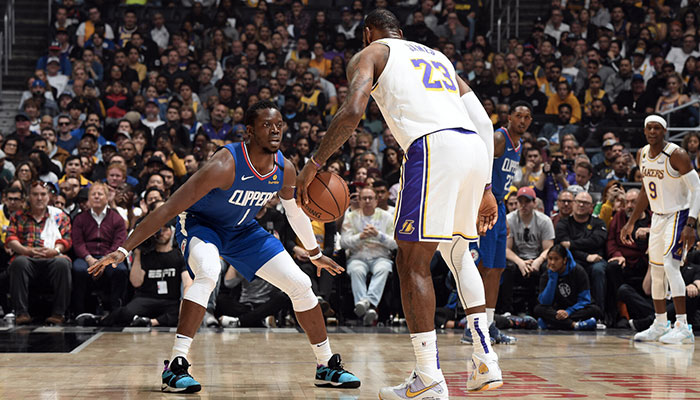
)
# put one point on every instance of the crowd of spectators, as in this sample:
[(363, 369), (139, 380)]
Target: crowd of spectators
[(132, 97)]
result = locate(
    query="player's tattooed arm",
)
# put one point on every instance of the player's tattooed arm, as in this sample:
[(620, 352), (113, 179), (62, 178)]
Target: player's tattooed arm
[(360, 73)]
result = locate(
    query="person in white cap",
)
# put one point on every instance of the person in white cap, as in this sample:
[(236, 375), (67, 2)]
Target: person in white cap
[(672, 189)]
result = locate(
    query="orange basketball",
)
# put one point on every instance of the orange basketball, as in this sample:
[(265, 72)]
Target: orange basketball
[(329, 197)]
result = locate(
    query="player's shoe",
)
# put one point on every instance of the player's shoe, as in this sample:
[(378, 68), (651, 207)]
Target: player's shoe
[(467, 336), (483, 374), (333, 375), (653, 333), (524, 322), (680, 334), (415, 388), (176, 379), (500, 337)]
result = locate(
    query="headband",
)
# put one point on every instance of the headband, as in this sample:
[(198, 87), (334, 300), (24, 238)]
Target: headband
[(655, 118)]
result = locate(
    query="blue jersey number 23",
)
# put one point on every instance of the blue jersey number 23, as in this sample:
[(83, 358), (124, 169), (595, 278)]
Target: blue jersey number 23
[(430, 84)]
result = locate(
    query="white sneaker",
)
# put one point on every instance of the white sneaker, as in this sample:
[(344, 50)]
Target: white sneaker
[(229, 322), (680, 334), (414, 388), (653, 333), (361, 307), (483, 374)]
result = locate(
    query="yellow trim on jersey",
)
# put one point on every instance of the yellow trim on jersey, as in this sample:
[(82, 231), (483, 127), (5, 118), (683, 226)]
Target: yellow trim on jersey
[(657, 264), (668, 160), (658, 155), (465, 236), (673, 241)]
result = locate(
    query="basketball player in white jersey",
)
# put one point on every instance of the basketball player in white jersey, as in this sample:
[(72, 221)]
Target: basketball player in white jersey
[(445, 188), (672, 190)]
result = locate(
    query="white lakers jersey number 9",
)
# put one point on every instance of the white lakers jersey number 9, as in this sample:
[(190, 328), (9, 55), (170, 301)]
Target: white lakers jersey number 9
[(663, 184)]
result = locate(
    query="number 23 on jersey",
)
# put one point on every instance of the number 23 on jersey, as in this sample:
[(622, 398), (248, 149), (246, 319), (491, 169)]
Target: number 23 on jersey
[(434, 84)]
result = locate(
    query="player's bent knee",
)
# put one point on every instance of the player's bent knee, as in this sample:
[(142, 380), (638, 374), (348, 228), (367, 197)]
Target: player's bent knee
[(299, 291)]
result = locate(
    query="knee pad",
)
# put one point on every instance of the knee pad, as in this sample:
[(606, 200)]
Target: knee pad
[(283, 272), (470, 287), (658, 282), (204, 263), (299, 291), (675, 279)]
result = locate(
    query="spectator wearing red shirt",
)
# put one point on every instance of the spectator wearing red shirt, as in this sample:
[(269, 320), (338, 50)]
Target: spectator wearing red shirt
[(97, 231), (39, 236)]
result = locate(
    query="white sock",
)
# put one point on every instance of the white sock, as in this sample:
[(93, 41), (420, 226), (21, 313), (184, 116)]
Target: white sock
[(425, 348), (661, 319), (323, 352), (181, 346), (480, 334), (682, 318), (489, 315)]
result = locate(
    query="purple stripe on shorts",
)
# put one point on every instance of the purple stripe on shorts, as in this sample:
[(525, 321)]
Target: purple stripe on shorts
[(677, 249), (408, 216)]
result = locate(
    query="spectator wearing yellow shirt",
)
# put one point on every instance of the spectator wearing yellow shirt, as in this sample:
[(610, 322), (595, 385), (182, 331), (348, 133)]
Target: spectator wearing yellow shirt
[(564, 95), (593, 92), (322, 64)]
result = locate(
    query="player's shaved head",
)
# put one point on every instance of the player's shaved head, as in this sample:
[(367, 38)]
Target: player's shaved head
[(382, 19)]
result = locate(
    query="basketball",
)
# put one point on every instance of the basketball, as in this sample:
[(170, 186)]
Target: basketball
[(328, 197)]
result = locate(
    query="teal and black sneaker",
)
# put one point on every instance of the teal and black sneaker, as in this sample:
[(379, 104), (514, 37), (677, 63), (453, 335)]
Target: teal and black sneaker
[(335, 376), (176, 379)]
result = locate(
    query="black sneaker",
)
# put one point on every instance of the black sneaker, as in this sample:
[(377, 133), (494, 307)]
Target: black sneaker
[(140, 321), (176, 379), (334, 376)]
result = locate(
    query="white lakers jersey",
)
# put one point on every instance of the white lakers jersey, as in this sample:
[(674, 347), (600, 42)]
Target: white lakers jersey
[(663, 184), (417, 92)]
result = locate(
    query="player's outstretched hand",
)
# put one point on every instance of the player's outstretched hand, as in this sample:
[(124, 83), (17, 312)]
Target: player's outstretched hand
[(113, 258), (328, 264), (626, 235), (488, 213), (303, 181)]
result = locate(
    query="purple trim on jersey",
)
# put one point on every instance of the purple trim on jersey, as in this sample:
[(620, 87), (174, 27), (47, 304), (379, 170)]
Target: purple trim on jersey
[(677, 249)]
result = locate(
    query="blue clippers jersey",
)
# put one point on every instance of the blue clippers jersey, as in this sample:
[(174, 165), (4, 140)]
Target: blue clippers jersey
[(235, 208), (504, 167)]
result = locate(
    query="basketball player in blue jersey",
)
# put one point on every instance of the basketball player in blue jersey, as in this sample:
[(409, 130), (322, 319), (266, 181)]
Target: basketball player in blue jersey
[(216, 208), (445, 197), (491, 249)]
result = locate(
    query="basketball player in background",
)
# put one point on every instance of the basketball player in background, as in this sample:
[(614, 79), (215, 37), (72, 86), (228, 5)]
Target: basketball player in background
[(672, 188), (216, 211), (438, 121), (492, 246)]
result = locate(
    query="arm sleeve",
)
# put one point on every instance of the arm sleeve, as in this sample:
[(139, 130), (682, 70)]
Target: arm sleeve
[(692, 182), (300, 223), (484, 127)]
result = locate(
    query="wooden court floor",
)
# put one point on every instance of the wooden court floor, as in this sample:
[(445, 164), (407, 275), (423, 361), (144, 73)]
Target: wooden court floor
[(279, 365)]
